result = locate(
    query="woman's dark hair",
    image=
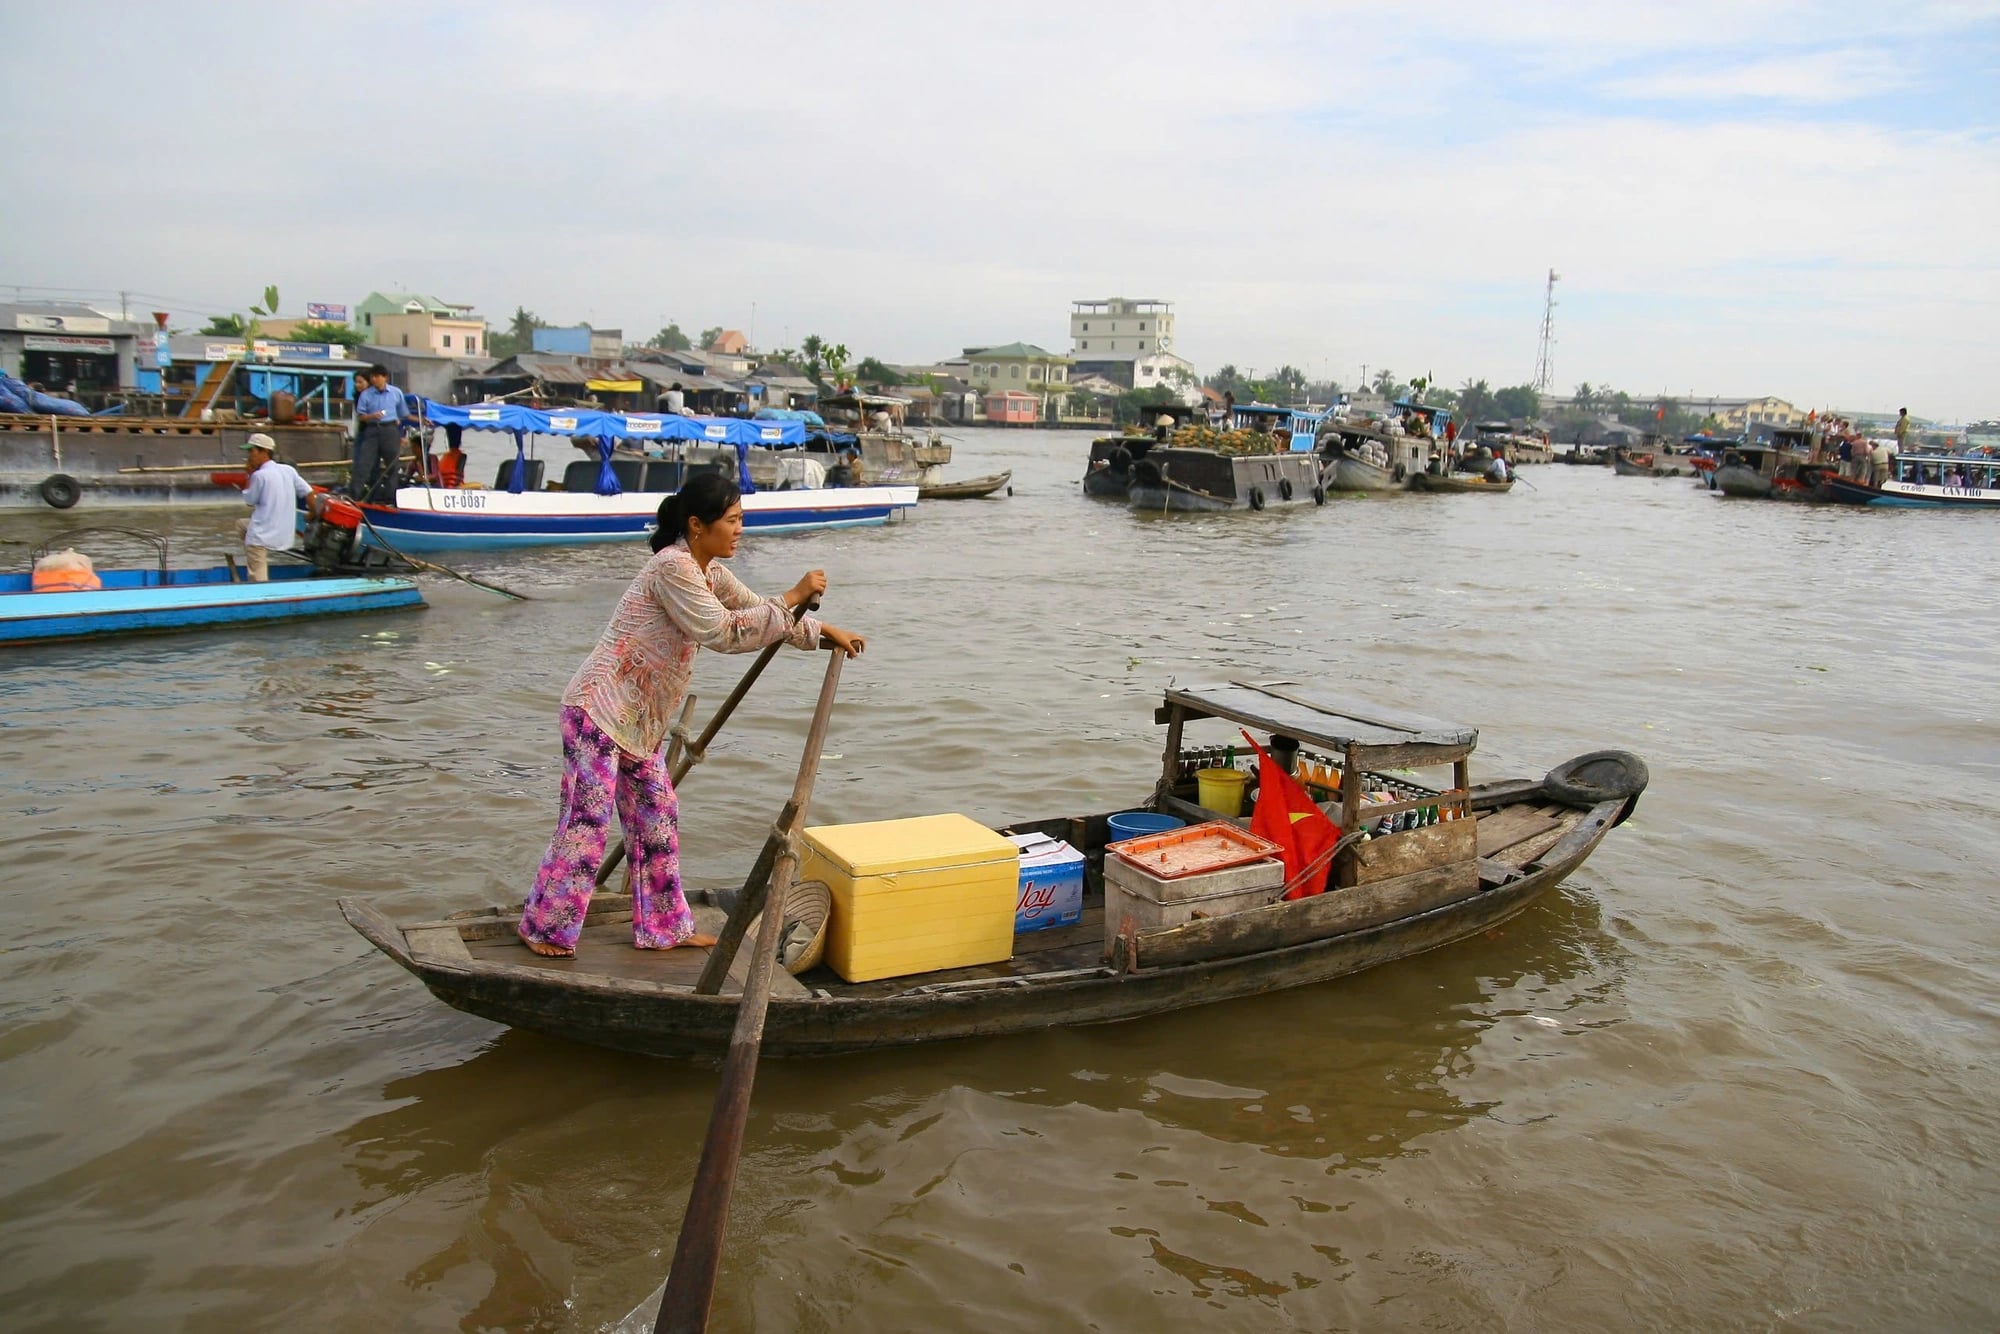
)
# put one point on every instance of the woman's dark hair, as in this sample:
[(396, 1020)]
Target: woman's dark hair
[(706, 496)]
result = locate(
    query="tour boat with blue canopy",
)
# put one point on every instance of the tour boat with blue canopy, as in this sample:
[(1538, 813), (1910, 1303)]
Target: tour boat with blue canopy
[(1927, 481), (83, 602), (615, 497)]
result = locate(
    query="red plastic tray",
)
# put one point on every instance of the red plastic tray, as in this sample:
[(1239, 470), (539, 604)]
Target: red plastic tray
[(1194, 850)]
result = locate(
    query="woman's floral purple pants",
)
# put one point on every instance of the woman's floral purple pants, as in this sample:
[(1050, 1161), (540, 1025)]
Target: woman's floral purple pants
[(598, 778)]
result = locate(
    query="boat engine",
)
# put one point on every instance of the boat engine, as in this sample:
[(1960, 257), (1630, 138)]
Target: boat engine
[(333, 535)]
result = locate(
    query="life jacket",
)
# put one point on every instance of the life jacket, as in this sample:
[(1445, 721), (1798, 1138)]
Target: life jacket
[(451, 468)]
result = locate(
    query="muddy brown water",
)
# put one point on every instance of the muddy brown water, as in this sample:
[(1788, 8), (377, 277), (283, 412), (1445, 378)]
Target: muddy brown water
[(1737, 1073)]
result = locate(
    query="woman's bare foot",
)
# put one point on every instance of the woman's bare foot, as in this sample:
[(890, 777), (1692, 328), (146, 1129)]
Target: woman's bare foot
[(697, 939), (548, 951)]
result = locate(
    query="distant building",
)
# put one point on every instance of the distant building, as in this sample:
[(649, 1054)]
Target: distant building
[(1120, 327), (580, 341), (730, 343), (1130, 342), (1013, 366), (56, 344), (410, 319), (1750, 412)]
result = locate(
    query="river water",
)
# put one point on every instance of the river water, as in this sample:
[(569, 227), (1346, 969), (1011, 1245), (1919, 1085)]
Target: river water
[(1739, 1072)]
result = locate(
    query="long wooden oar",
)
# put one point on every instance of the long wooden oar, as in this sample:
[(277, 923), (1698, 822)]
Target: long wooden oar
[(685, 759), (698, 1252)]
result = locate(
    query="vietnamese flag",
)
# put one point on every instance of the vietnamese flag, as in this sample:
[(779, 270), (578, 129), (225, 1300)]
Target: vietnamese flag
[(1286, 815)]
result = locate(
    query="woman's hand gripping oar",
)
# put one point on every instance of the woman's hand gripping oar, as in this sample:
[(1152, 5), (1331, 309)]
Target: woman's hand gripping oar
[(685, 754)]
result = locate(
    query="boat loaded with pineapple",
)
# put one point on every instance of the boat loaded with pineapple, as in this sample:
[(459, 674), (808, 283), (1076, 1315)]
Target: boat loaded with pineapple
[(1355, 837)]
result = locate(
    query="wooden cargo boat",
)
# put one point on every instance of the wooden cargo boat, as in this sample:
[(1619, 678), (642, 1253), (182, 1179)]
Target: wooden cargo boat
[(1170, 477), (972, 488), (1395, 896), (118, 462)]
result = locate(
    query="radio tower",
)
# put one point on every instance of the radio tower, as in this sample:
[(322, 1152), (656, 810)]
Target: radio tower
[(1545, 370)]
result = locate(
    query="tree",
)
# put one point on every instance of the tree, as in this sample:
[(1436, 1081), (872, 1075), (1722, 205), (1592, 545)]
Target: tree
[(1520, 401), (708, 336), (1134, 405), (1227, 380), (224, 326), (1475, 401), (518, 336), (836, 360), (873, 371), (812, 353), (1292, 381), (1585, 396), (320, 331), (1386, 384), (670, 339)]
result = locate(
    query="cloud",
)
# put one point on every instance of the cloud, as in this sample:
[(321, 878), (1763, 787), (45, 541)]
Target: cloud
[(1311, 183), (1825, 77)]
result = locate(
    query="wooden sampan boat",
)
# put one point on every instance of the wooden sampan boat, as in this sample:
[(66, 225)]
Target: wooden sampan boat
[(1430, 481), (970, 489), (1521, 838)]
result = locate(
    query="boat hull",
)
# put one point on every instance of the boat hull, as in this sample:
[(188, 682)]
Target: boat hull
[(1908, 495), (122, 462), (424, 519), (1348, 473), (1427, 481), (1742, 481), (136, 602), (1203, 481), (970, 489), (601, 1010)]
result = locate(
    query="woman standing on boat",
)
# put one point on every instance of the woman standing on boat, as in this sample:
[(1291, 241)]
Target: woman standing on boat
[(618, 706)]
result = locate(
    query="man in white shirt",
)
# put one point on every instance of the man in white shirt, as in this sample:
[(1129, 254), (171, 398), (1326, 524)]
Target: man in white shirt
[(273, 494)]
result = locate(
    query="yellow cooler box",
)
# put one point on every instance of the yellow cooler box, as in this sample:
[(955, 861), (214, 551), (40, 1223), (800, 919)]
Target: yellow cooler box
[(914, 896)]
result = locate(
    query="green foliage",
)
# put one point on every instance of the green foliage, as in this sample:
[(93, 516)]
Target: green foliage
[(709, 335), (1387, 385), (670, 339), (1227, 380), (1518, 402), (224, 326), (519, 335), (1476, 402), (873, 371), (812, 356), (1139, 405), (319, 331), (836, 360)]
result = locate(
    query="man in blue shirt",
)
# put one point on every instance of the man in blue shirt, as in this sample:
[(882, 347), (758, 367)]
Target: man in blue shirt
[(273, 493), (378, 447)]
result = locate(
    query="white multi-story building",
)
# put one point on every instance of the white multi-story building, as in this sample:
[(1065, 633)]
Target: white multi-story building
[(1130, 341)]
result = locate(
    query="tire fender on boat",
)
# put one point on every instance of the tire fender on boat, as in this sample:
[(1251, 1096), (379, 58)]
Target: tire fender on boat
[(60, 490), (1401, 474), (1598, 775), (1256, 497), (1285, 488), (1319, 495)]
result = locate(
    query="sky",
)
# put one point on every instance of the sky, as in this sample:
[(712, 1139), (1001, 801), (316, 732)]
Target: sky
[(1800, 199)]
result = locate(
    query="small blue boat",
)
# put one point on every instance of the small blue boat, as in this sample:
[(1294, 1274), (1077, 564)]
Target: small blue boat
[(153, 600)]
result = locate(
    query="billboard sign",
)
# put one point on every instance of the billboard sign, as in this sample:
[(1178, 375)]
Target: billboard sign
[(325, 313)]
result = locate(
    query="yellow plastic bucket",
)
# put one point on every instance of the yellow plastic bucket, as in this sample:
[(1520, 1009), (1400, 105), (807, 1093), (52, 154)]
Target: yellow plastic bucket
[(1221, 790)]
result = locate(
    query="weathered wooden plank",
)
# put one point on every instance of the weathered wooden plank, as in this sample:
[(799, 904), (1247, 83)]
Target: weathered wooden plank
[(1305, 920), (1406, 853), (1528, 850), (1504, 828), (437, 945), (1315, 723)]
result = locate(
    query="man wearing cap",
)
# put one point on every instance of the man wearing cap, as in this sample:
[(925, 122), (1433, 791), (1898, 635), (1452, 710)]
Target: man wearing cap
[(273, 494), (378, 449)]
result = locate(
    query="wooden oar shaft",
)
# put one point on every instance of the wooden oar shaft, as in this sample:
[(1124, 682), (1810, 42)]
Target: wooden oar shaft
[(690, 1286)]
